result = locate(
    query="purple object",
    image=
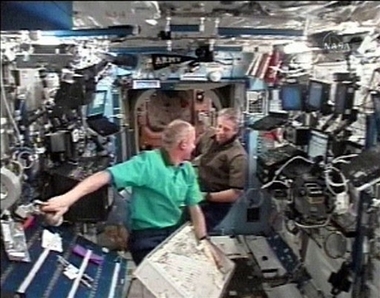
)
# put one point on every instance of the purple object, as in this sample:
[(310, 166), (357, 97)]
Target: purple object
[(81, 251)]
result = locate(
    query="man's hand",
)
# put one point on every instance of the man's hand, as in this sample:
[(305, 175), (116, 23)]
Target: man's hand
[(57, 205), (53, 219), (211, 252), (54, 209)]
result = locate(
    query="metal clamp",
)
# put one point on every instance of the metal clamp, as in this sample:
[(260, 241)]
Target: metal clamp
[(66, 263), (32, 208)]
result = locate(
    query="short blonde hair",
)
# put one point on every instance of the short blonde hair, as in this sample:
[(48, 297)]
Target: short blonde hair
[(175, 132)]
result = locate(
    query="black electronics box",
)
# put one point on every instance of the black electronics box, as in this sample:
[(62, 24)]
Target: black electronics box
[(91, 208), (264, 173), (364, 168), (298, 136), (102, 125), (269, 162)]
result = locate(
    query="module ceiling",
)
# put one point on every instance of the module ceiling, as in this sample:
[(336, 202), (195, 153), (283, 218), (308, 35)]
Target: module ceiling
[(267, 17)]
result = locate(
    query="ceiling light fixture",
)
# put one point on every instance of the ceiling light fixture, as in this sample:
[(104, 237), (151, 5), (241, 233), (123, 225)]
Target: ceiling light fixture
[(202, 25), (169, 45), (151, 22), (167, 27)]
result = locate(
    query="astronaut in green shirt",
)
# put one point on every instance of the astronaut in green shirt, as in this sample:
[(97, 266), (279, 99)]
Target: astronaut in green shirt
[(163, 182)]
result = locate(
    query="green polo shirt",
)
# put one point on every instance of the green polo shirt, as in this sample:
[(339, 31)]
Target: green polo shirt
[(160, 190)]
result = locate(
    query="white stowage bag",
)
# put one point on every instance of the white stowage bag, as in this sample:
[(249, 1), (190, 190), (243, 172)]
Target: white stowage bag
[(182, 267)]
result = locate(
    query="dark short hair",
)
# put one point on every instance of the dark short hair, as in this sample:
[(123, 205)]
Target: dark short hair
[(231, 114)]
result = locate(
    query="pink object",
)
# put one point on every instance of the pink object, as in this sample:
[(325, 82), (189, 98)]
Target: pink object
[(81, 251)]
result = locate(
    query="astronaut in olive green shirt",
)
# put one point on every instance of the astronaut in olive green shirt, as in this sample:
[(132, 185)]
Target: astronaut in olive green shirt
[(222, 167)]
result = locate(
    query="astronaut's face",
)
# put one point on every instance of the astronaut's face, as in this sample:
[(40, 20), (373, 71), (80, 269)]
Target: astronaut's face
[(188, 145), (225, 130)]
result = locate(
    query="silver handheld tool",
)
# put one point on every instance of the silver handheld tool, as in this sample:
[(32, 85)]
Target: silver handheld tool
[(28, 209), (66, 263)]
